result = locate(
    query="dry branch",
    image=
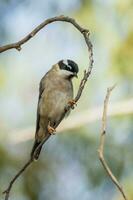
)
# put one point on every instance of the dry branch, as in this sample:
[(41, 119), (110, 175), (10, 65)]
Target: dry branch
[(18, 45), (102, 141), (87, 72)]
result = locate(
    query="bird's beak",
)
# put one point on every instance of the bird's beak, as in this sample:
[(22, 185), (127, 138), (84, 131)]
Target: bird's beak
[(75, 75)]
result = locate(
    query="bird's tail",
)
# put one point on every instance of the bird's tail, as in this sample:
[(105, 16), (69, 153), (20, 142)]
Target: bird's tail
[(34, 155)]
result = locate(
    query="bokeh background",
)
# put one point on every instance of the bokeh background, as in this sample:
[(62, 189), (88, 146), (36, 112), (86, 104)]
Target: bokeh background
[(68, 167)]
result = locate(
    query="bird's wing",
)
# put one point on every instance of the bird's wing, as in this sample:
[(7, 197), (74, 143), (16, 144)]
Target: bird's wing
[(41, 90)]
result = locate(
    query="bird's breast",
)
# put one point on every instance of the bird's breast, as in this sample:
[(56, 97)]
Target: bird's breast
[(55, 97)]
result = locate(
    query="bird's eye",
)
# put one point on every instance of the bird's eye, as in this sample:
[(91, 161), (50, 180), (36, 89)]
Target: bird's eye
[(68, 65)]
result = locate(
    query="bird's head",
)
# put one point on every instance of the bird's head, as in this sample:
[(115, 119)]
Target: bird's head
[(68, 68)]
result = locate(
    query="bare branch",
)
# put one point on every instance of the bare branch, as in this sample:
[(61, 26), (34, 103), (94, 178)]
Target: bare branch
[(7, 191), (102, 141), (18, 45), (87, 73)]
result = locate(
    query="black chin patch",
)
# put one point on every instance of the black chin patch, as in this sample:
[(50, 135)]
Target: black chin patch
[(68, 65)]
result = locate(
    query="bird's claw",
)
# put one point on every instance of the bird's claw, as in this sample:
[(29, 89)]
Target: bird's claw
[(51, 130), (72, 103)]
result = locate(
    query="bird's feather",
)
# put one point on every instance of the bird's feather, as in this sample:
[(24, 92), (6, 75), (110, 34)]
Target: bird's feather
[(41, 90)]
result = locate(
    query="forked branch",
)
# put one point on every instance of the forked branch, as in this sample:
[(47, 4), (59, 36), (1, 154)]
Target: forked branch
[(102, 142)]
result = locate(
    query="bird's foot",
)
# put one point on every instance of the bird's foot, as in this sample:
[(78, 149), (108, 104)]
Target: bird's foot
[(51, 130), (72, 103)]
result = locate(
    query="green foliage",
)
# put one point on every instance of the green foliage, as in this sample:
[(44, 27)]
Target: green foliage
[(123, 58)]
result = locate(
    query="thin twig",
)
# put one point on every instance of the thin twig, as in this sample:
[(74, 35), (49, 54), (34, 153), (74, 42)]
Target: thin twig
[(18, 45), (7, 191), (87, 73), (102, 141)]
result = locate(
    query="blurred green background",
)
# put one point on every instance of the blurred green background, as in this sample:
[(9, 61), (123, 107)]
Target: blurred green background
[(68, 168)]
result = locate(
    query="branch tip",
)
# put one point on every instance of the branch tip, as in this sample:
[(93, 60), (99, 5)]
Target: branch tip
[(102, 140), (18, 48)]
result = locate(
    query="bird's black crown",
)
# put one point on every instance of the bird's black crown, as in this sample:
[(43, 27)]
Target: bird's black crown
[(68, 65)]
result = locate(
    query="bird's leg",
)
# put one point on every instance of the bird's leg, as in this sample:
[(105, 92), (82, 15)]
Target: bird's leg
[(51, 130), (72, 103)]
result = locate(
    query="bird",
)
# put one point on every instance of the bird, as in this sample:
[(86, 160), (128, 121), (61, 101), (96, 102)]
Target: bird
[(55, 93)]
